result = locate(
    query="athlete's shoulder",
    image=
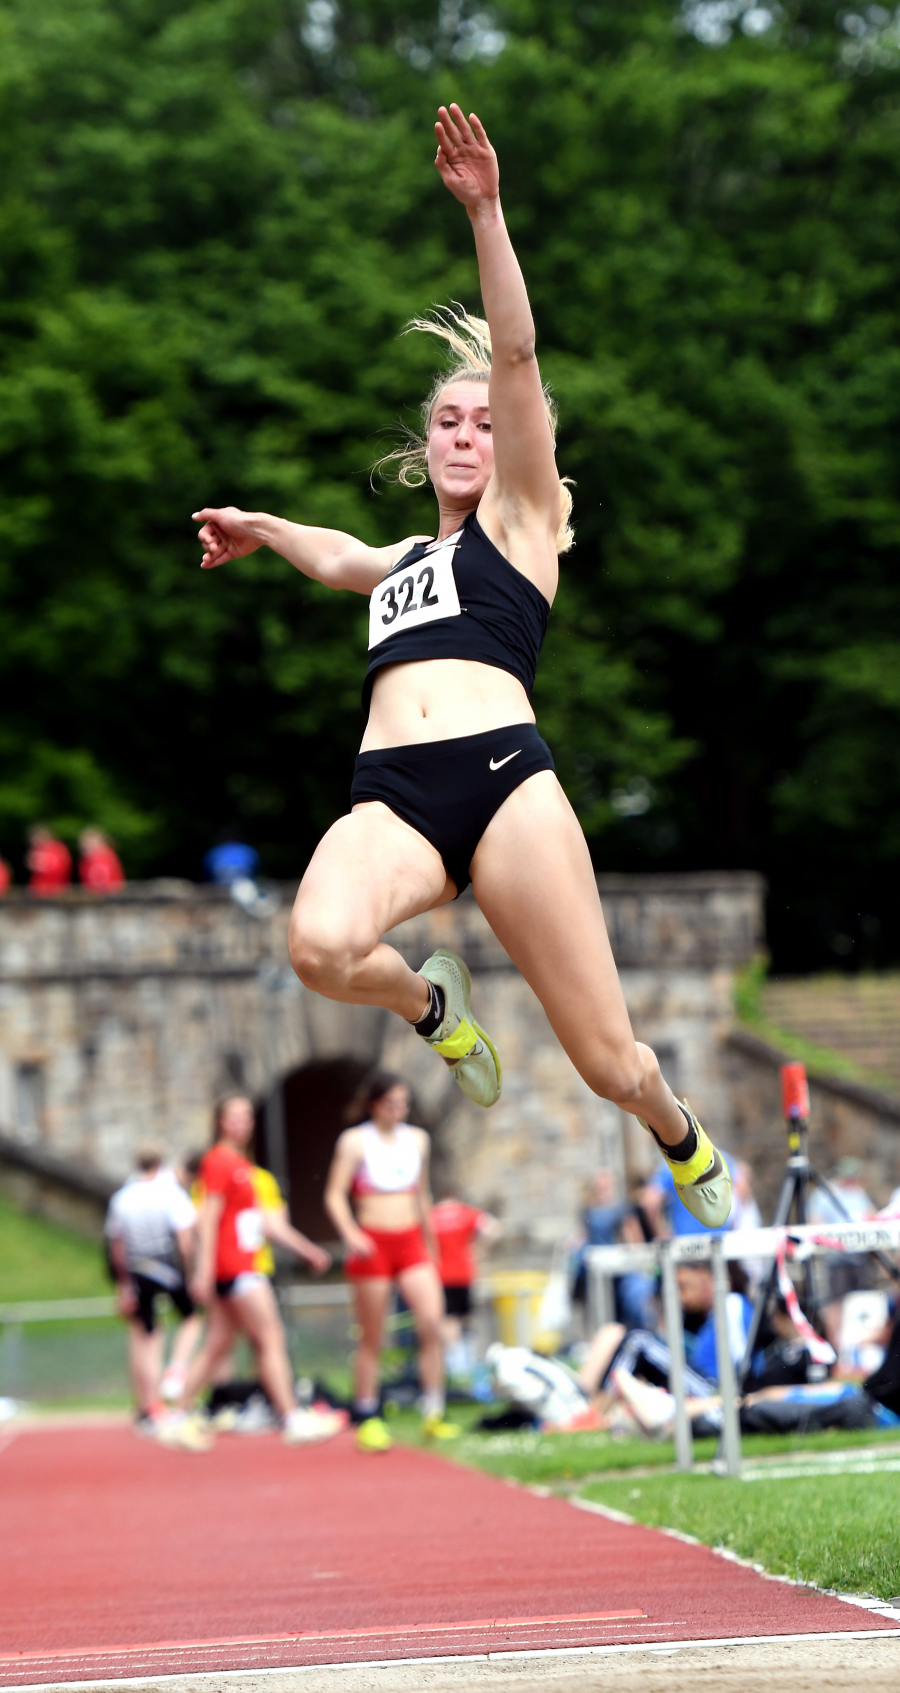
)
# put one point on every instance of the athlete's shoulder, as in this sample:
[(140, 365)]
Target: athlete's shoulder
[(222, 1165), (266, 1188), (350, 1142)]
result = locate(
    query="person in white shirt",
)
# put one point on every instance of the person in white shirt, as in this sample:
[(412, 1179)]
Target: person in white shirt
[(150, 1227)]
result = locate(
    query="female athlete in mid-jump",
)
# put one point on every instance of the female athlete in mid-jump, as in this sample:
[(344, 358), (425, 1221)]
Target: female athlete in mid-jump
[(453, 782)]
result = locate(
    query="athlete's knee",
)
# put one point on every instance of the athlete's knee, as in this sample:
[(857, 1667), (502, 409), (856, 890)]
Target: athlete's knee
[(429, 1329), (321, 953), (618, 1074)]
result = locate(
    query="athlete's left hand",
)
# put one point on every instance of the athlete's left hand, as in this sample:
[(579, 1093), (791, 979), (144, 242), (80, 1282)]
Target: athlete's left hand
[(465, 158), (318, 1260)]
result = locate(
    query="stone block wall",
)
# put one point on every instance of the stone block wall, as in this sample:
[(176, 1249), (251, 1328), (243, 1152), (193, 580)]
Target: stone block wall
[(122, 1018)]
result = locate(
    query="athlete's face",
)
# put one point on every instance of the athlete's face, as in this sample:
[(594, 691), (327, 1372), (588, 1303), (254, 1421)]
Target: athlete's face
[(391, 1108), (236, 1122), (460, 446)]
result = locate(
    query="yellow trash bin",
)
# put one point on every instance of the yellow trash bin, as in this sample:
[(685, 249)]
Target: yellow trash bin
[(517, 1297)]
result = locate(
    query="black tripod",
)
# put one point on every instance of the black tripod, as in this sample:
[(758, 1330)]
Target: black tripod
[(799, 1177)]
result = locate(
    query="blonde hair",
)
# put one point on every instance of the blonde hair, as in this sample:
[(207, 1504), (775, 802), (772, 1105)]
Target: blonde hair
[(469, 340)]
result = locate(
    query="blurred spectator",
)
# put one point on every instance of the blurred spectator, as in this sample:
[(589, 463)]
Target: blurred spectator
[(150, 1227), (745, 1214), (48, 860), (608, 1221), (233, 865), (5, 877), (855, 1204), (98, 863), (457, 1228), (659, 1200), (230, 861), (604, 1210), (846, 1272), (646, 1355)]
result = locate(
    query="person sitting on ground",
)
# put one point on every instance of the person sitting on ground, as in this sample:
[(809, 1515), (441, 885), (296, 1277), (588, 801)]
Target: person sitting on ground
[(457, 1228), (49, 861), (616, 1354), (98, 865), (150, 1230), (231, 1229)]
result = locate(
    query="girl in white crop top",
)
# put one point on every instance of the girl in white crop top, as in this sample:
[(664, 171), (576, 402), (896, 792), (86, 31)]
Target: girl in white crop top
[(389, 1164), (379, 1200)]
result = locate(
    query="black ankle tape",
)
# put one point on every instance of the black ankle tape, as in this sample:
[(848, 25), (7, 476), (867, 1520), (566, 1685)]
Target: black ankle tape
[(685, 1149), (434, 1016)]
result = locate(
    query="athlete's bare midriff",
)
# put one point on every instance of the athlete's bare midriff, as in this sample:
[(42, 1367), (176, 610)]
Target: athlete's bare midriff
[(438, 699), (390, 1212)]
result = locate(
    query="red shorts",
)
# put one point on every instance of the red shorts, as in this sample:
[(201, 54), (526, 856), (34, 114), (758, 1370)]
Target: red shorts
[(395, 1250)]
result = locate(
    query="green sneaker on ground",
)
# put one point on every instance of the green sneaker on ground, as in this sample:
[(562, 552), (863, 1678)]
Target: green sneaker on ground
[(461, 1042)]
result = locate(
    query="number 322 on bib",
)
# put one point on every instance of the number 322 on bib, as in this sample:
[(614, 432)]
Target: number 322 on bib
[(415, 594)]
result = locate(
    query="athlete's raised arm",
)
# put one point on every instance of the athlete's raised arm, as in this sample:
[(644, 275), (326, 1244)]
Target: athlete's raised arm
[(326, 555), (525, 485)]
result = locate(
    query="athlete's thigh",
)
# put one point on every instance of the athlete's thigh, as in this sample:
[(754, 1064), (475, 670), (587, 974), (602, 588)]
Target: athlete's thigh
[(256, 1312), (532, 877), (372, 1296), (421, 1288), (370, 872)]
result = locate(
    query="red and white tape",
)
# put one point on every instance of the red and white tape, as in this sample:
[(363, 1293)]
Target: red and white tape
[(819, 1350)]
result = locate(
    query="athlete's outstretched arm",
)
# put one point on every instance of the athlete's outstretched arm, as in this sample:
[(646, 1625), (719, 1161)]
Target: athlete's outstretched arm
[(326, 555), (525, 468)]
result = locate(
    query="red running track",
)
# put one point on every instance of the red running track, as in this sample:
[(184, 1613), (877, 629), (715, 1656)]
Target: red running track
[(119, 1558)]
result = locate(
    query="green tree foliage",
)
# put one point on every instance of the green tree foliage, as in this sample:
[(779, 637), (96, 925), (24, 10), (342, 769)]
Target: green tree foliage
[(215, 218)]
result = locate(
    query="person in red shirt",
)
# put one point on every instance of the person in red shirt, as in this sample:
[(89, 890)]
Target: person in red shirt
[(231, 1229), (456, 1227), (5, 877), (98, 865), (49, 861)]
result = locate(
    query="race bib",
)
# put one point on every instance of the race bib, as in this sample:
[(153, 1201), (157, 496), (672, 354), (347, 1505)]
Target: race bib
[(416, 593), (248, 1226)]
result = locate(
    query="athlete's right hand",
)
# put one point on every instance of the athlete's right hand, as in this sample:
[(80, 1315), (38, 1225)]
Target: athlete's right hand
[(227, 533), (361, 1245)]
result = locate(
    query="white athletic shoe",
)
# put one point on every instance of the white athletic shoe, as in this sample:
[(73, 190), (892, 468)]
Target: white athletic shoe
[(461, 1042), (303, 1428), (185, 1431)]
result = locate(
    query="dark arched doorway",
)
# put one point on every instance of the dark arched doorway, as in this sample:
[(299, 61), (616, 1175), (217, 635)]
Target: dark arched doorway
[(314, 1106)]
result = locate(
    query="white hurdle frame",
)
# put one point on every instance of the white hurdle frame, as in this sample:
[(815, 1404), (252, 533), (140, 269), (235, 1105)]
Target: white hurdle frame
[(604, 1263)]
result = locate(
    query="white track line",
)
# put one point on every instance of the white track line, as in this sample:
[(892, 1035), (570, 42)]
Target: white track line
[(663, 1648)]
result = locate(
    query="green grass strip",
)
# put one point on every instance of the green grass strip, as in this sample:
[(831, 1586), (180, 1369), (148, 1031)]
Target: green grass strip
[(42, 1260), (838, 1531)]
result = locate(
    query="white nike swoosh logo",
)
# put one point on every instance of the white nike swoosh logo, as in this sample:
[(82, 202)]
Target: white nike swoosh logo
[(505, 760)]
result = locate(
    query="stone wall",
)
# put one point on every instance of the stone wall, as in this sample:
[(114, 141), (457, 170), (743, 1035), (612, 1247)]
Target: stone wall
[(122, 1018), (846, 1120)]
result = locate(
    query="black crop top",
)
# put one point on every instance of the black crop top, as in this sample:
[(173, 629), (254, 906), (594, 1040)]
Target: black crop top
[(457, 598)]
